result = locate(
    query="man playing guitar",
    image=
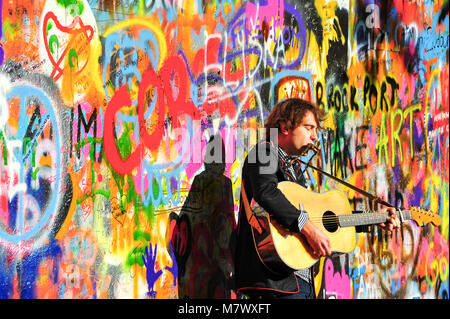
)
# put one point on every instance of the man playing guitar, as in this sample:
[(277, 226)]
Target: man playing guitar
[(270, 162)]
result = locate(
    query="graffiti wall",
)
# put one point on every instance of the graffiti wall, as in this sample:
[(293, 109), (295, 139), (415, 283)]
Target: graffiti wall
[(124, 125)]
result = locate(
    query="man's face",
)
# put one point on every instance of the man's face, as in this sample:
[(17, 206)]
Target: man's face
[(303, 134)]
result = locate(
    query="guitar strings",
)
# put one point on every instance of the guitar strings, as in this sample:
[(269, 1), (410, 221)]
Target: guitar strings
[(333, 220)]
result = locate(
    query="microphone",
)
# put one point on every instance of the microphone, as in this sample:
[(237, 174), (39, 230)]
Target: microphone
[(312, 147)]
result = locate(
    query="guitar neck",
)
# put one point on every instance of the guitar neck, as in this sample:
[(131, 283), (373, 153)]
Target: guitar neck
[(368, 218)]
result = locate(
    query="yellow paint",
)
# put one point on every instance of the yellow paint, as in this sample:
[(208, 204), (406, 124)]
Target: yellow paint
[(80, 43), (443, 268), (45, 160), (95, 72), (294, 87), (327, 13), (154, 26), (409, 111), (318, 278), (383, 141), (445, 208), (395, 131)]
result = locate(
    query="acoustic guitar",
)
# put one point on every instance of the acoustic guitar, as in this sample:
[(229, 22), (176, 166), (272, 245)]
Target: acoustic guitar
[(283, 251)]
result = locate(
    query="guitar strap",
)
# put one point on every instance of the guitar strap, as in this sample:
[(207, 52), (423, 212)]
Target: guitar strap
[(357, 189), (251, 218)]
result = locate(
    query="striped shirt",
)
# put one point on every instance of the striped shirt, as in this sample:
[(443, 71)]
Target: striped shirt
[(287, 165)]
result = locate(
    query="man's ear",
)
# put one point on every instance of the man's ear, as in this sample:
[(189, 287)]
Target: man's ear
[(284, 128)]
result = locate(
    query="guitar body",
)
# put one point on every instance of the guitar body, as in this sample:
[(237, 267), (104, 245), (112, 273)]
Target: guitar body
[(284, 251)]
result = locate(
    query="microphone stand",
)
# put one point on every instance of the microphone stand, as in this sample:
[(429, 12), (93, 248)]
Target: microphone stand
[(357, 189)]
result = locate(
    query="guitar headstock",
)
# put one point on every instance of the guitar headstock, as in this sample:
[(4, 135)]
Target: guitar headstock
[(422, 216)]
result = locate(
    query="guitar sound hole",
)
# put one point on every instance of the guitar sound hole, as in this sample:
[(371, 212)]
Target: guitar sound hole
[(329, 220)]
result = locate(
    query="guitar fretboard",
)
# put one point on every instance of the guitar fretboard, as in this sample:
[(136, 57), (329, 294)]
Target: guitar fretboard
[(368, 218)]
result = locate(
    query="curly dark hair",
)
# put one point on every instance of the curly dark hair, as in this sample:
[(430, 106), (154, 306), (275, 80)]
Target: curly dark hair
[(291, 112)]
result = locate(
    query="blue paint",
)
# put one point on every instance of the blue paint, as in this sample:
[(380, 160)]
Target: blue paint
[(238, 25), (25, 93), (432, 44), (395, 286), (6, 278), (29, 267), (356, 274), (128, 68), (12, 212), (41, 195), (174, 268), (418, 194), (167, 171), (149, 261)]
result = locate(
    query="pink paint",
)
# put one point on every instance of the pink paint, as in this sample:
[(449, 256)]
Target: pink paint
[(269, 10), (402, 93), (191, 169), (198, 153), (338, 283), (198, 147), (412, 81), (137, 181)]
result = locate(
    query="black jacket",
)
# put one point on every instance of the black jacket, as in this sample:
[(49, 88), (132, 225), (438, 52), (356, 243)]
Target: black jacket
[(250, 272)]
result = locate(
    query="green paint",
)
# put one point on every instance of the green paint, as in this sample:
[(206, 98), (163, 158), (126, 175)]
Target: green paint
[(34, 174), (52, 43), (93, 141), (149, 212), (73, 56), (11, 30), (140, 234), (89, 140), (155, 188), (33, 157), (5, 151), (49, 26), (383, 141), (135, 257), (124, 145), (395, 133), (111, 85), (76, 7), (26, 140), (105, 193)]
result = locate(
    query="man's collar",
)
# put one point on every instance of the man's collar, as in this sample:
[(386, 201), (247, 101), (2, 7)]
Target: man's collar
[(288, 159)]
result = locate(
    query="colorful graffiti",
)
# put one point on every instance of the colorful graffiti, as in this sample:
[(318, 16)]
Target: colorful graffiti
[(124, 126)]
